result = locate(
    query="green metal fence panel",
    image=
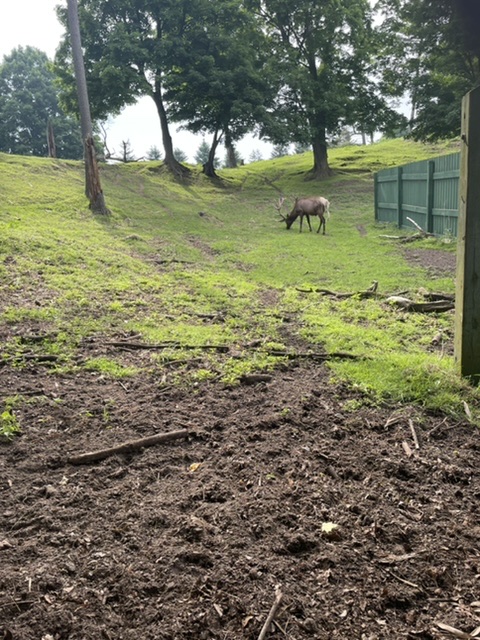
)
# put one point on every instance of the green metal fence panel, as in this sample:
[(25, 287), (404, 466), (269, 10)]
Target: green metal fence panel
[(414, 201), (445, 194), (386, 195), (421, 193)]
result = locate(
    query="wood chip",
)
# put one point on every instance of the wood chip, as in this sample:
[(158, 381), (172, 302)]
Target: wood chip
[(452, 631)]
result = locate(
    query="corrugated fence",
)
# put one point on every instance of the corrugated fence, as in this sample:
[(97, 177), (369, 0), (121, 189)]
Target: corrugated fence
[(426, 192)]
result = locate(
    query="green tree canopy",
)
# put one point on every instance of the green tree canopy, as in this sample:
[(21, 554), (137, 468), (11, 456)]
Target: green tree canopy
[(428, 40), (28, 103), (323, 52), (128, 47), (219, 84)]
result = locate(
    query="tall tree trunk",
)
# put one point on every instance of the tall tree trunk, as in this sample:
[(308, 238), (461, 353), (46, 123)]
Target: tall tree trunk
[(320, 168), (52, 149), (93, 189), (170, 161), (209, 166), (230, 149)]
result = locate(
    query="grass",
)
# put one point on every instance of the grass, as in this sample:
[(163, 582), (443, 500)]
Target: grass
[(206, 263)]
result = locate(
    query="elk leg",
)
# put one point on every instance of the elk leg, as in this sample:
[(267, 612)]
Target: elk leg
[(308, 220), (322, 223)]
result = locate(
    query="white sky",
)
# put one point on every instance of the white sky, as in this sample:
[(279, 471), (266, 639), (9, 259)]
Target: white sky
[(34, 23)]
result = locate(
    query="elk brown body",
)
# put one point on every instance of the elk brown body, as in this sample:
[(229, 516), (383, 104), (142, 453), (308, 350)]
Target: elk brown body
[(306, 207)]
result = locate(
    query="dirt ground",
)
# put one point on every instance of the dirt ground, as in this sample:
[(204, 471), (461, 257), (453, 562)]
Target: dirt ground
[(365, 520)]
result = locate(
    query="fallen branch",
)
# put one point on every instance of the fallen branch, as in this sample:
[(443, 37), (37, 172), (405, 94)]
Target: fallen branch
[(171, 261), (314, 356), (432, 297), (371, 292), (127, 447), (416, 225), (421, 307), (29, 357), (124, 344), (420, 235), (271, 615)]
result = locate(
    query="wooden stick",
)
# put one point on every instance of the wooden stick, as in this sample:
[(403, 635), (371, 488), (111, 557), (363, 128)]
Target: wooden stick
[(414, 434), (273, 611), (410, 584), (416, 225), (124, 344), (127, 447)]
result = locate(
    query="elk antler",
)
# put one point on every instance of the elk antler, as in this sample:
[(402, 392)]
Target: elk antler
[(279, 206)]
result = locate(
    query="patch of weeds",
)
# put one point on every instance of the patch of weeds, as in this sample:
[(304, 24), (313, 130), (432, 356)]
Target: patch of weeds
[(116, 306), (274, 346), (203, 375), (9, 425), (186, 333), (356, 404), (109, 367), (233, 368), (13, 315), (106, 413)]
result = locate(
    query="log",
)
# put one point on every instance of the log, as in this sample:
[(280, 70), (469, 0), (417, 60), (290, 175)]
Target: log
[(127, 447)]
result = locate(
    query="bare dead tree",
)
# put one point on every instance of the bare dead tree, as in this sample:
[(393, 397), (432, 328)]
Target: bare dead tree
[(93, 189)]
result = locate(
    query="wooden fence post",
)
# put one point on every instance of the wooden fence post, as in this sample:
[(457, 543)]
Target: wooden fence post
[(467, 296), (399, 197)]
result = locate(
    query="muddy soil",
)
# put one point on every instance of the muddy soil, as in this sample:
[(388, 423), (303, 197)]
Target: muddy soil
[(364, 519)]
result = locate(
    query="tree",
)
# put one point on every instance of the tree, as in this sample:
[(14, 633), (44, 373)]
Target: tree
[(343, 137), (233, 159), (219, 84), (127, 152), (425, 38), (301, 147), (29, 107), (255, 156), (128, 48), (154, 153), (322, 54), (201, 155), (93, 189), (180, 155), (280, 150)]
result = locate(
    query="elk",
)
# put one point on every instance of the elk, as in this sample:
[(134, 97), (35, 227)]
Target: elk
[(314, 206)]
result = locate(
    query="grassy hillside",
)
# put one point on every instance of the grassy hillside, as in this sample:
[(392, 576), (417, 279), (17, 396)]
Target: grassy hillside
[(207, 264)]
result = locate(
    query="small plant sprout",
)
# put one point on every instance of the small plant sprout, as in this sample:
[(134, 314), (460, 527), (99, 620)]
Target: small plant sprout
[(9, 425)]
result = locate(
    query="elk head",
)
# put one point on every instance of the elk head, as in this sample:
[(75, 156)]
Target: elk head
[(290, 217), (278, 207)]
